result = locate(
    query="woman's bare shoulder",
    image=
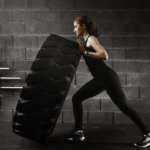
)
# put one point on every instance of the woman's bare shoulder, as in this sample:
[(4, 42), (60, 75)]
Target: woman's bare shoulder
[(93, 40)]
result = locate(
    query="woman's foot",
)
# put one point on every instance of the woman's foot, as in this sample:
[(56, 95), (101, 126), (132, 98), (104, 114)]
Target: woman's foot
[(74, 135), (144, 141)]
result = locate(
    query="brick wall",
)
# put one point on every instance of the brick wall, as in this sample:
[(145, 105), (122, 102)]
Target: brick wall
[(124, 32)]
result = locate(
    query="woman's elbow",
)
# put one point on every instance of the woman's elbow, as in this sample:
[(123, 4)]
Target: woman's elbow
[(105, 56)]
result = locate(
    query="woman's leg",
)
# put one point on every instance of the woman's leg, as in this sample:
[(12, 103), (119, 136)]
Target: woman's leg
[(114, 90), (88, 90)]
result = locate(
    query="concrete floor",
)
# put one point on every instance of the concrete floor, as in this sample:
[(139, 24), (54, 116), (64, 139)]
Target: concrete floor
[(97, 137)]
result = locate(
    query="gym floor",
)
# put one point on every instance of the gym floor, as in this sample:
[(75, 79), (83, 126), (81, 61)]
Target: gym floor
[(97, 137)]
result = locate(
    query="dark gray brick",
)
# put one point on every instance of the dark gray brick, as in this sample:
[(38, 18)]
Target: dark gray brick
[(144, 29), (116, 54), (138, 29), (17, 92), (144, 92), (100, 117), (125, 42), (88, 5), (70, 16), (72, 91), (6, 16), (113, 29), (145, 117), (31, 53), (145, 67), (101, 16), (81, 79), (6, 64), (5, 115), (123, 78), (88, 104), (51, 16), (63, 28), (38, 5), (73, 83), (41, 40), (145, 79), (7, 92), (144, 42), (133, 66), (127, 66), (14, 4), (13, 29), (102, 95), (133, 28), (12, 82), (60, 118), (25, 16), (13, 53), (111, 5), (133, 79), (0, 4), (0, 28), (108, 105), (0, 54), (106, 42), (6, 41), (82, 68), (144, 16), (125, 16), (91, 104), (74, 88), (138, 105), (131, 92), (68, 116), (22, 65), (8, 103), (136, 54), (68, 104), (38, 29), (120, 66), (120, 118), (63, 5), (25, 41), (109, 63), (138, 4)]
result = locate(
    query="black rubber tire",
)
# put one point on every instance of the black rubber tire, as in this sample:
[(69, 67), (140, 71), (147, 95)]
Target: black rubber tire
[(47, 85)]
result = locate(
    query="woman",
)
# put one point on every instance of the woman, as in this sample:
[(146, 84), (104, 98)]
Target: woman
[(104, 78)]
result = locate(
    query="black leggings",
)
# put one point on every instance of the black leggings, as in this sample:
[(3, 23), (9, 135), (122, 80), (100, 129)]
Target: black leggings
[(110, 82)]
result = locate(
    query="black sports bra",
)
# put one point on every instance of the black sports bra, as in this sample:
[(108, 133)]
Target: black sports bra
[(95, 66)]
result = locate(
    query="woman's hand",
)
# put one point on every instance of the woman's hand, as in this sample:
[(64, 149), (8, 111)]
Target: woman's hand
[(81, 46)]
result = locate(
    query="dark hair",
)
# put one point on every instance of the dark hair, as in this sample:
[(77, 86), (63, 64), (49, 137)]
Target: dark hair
[(91, 26)]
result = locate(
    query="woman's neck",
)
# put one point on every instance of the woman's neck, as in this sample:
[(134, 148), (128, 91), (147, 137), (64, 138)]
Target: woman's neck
[(85, 35)]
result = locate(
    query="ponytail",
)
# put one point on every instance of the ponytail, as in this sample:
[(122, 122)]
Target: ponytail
[(90, 26), (94, 29)]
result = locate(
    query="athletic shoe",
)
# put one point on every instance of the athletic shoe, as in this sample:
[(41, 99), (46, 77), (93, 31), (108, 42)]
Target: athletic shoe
[(74, 135), (144, 141)]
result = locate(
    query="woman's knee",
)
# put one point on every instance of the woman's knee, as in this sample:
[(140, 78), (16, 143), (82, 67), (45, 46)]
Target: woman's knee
[(76, 99)]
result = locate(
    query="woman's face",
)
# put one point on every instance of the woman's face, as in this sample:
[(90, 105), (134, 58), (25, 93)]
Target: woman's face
[(78, 29)]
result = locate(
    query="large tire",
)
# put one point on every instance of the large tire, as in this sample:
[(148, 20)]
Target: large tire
[(47, 85)]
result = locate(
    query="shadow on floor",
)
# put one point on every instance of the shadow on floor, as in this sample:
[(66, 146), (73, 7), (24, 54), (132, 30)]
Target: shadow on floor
[(97, 137)]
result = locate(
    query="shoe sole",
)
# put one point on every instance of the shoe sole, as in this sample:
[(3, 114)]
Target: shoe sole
[(142, 146), (77, 139)]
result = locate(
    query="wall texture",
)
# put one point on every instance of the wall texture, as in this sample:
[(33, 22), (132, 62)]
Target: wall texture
[(124, 32)]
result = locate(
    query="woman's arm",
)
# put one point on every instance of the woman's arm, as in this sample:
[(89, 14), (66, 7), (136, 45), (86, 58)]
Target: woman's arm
[(100, 51)]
